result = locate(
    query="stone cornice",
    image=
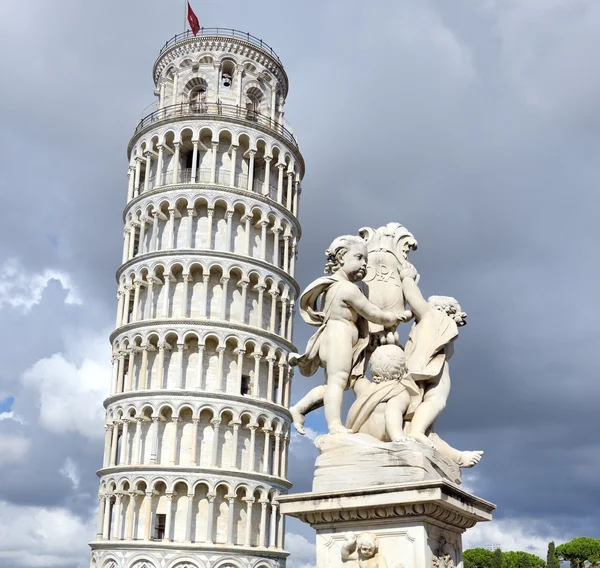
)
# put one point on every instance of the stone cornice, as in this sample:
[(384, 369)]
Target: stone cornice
[(219, 474), (220, 189), (220, 44), (438, 500), (244, 401), (206, 324), (183, 547), (210, 253)]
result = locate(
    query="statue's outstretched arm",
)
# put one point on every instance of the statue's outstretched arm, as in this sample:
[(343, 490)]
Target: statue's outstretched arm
[(357, 300), (414, 298)]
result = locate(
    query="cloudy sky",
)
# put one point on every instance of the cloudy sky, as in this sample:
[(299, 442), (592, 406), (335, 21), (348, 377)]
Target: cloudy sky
[(476, 123)]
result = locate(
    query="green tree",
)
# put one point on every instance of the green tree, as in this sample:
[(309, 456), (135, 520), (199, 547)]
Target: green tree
[(520, 559), (497, 558), (552, 560), (579, 551), (477, 558)]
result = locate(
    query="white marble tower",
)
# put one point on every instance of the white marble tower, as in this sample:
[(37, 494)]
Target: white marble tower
[(197, 426)]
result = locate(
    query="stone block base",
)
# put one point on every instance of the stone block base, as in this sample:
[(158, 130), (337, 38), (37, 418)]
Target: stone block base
[(417, 525)]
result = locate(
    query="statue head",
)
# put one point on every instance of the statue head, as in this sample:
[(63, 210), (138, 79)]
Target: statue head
[(387, 363), (367, 545), (450, 307), (347, 253)]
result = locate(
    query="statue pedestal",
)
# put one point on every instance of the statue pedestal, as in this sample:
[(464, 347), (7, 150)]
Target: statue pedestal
[(417, 524)]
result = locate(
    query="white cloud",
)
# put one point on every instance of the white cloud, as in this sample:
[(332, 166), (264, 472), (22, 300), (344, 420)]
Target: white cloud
[(14, 448), (71, 387), (302, 552), (38, 536), (23, 289), (529, 535), (71, 472)]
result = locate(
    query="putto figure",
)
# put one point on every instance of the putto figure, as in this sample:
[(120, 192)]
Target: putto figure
[(340, 342), (364, 549)]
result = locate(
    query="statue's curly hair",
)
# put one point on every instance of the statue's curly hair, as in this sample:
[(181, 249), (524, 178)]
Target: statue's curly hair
[(449, 306), (337, 249), (387, 363), (369, 539)]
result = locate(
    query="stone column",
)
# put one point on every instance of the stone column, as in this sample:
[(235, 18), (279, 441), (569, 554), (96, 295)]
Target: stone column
[(166, 299), (252, 452), (284, 453), (142, 240), (220, 373), (143, 382), (224, 281), (216, 423), (247, 218), (171, 228), (176, 162), (129, 515), (130, 371), (153, 435), (132, 233), (154, 235), (228, 247), (137, 438), (248, 535), (120, 300), (194, 161), (194, 448), (116, 534), (125, 318), (293, 259), (288, 384), (273, 532), (107, 439), (115, 374), (210, 536), (210, 212), (239, 369), (243, 284), (148, 312), (148, 157), (263, 239), (274, 294), (148, 514), (204, 312), (169, 518), (190, 225), (175, 422), (276, 233), (200, 370), (188, 517), (181, 348), (233, 166), (267, 450), (114, 443), (280, 167), (138, 172), (124, 443), (185, 294), (100, 525), (124, 256), (266, 188), (286, 253), (121, 373), (280, 531), (160, 371), (290, 183), (251, 170), (130, 181), (277, 455), (236, 428), (282, 381), (270, 361), (261, 293), (255, 382), (136, 300), (295, 203), (263, 523), (230, 518), (284, 315), (290, 321), (213, 163), (159, 166), (106, 518)]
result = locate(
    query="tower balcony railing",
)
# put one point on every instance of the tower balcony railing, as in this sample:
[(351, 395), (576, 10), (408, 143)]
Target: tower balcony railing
[(225, 33), (216, 110), (204, 175)]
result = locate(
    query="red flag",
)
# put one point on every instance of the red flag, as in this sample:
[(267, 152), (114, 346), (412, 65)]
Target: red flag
[(193, 20)]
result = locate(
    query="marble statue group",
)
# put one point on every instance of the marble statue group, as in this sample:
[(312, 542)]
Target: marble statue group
[(369, 289)]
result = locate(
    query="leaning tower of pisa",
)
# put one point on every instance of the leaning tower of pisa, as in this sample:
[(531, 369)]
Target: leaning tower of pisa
[(197, 426)]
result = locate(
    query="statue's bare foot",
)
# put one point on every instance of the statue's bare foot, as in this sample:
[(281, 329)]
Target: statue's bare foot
[(469, 459), (402, 439), (338, 428), (298, 420), (422, 439)]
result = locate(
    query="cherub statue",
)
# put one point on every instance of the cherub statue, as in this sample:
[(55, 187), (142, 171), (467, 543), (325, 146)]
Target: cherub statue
[(429, 348), (364, 549), (343, 335)]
